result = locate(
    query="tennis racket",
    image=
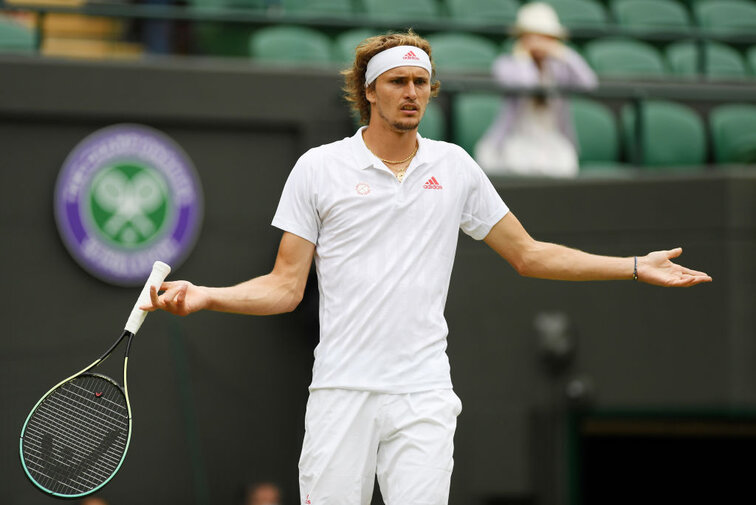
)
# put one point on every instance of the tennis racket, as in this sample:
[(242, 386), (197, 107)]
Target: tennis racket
[(76, 436)]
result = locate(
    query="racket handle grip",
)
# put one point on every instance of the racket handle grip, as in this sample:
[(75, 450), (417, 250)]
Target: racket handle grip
[(159, 272)]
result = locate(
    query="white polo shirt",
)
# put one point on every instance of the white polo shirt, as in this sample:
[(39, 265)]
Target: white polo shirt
[(384, 252)]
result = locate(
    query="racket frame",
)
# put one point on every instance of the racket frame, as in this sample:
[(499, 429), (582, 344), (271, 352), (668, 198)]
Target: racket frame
[(124, 389), (158, 274)]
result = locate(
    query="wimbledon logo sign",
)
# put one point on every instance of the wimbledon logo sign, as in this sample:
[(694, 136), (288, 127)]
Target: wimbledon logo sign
[(128, 195)]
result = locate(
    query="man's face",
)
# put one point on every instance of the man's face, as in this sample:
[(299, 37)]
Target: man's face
[(399, 97)]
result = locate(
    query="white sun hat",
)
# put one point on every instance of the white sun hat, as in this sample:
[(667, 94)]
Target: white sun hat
[(541, 18)]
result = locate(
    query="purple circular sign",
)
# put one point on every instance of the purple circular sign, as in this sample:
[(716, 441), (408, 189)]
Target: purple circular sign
[(128, 195)]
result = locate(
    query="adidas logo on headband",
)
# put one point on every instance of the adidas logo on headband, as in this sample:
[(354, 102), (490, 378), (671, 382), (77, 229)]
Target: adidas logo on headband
[(410, 56)]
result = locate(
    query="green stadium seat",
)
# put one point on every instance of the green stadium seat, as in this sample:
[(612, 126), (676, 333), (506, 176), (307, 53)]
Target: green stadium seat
[(433, 124), (483, 12), (726, 16), (596, 132), (721, 60), (627, 58), (15, 37), (402, 10), (751, 58), (472, 114), (580, 14), (651, 15), (222, 39), (319, 8), (462, 52), (672, 134), (733, 132), (346, 43), (287, 45)]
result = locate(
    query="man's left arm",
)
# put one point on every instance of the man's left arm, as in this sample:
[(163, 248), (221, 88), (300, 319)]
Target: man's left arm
[(544, 260)]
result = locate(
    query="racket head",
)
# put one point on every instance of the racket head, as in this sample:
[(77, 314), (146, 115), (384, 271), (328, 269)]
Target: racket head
[(76, 437)]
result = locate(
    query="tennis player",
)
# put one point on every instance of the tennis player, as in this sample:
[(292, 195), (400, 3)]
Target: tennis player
[(380, 213)]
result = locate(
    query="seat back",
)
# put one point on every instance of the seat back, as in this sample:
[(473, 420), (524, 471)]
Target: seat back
[(289, 45), (401, 10), (462, 52), (580, 14), (720, 60), (472, 114), (433, 124), (672, 134), (596, 131), (319, 8), (726, 16), (495, 12), (16, 38), (651, 15), (751, 58), (733, 132), (616, 57), (346, 43)]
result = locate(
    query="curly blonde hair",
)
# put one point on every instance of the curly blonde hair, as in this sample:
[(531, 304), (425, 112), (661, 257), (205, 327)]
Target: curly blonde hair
[(354, 78)]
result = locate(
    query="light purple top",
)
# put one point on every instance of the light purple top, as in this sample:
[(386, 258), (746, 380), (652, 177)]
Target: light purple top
[(569, 71)]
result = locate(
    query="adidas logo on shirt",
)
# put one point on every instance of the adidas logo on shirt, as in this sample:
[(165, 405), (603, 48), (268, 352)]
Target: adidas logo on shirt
[(410, 56), (432, 183)]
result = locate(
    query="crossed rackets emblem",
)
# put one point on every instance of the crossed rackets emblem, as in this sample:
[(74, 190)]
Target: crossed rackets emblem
[(128, 203)]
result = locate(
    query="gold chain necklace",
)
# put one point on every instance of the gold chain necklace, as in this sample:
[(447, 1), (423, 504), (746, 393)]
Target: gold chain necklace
[(417, 146), (400, 174)]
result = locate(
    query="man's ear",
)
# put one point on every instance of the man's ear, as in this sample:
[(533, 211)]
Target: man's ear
[(370, 93)]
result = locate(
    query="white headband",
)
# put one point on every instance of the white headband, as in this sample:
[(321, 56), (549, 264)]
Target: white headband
[(399, 56)]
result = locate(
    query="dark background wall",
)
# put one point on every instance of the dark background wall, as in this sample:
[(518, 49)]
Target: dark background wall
[(219, 399)]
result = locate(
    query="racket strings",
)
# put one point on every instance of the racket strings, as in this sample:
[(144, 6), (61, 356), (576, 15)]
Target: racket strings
[(76, 438)]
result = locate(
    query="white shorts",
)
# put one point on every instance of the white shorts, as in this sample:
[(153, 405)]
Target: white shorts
[(404, 439)]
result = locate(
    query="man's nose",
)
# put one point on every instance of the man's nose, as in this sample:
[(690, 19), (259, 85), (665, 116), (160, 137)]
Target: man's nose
[(410, 91)]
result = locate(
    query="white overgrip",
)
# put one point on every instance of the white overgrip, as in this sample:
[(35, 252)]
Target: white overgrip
[(159, 272)]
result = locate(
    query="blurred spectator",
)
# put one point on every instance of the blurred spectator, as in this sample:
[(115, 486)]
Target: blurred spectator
[(263, 493), (158, 35), (533, 134)]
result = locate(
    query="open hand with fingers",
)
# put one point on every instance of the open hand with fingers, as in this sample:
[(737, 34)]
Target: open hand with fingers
[(657, 268), (178, 297)]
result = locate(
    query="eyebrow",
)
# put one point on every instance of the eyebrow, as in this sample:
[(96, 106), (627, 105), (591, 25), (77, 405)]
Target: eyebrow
[(405, 77)]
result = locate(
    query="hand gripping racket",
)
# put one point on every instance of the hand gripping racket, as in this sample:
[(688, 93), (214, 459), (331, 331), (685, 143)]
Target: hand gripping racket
[(76, 436)]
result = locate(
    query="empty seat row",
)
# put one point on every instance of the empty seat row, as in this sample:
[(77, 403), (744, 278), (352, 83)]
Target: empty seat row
[(649, 15), (671, 134), (455, 52), (637, 16), (609, 57), (465, 52), (624, 57)]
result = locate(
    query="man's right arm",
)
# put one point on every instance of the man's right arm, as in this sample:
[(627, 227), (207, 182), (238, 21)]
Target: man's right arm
[(277, 292)]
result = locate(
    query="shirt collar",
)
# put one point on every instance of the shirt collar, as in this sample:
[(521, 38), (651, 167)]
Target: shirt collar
[(366, 159)]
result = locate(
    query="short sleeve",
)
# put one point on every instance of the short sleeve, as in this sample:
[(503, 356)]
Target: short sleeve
[(296, 212), (483, 206)]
